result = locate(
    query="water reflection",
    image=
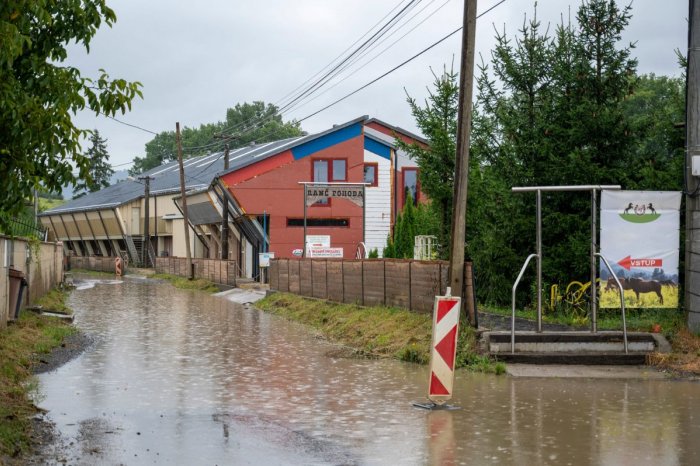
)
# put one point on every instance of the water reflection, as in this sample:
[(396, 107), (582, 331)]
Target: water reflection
[(178, 377)]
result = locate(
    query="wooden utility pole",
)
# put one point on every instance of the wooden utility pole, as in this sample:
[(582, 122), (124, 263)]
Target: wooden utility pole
[(464, 121), (147, 223), (692, 201), (184, 201), (224, 215)]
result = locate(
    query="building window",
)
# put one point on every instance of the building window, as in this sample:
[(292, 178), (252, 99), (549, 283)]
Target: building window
[(319, 222), (340, 170), (410, 185), (329, 170), (371, 175)]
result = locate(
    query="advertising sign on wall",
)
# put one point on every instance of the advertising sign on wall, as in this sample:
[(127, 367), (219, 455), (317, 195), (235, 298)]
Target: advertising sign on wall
[(639, 236)]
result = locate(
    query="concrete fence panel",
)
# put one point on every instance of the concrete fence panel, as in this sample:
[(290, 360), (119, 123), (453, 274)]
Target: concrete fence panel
[(374, 285), (319, 279), (352, 282), (392, 282), (398, 283), (335, 288)]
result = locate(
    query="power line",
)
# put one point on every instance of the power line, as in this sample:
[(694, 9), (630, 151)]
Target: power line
[(395, 68)]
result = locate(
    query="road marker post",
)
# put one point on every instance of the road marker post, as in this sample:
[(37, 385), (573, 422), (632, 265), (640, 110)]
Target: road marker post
[(443, 352)]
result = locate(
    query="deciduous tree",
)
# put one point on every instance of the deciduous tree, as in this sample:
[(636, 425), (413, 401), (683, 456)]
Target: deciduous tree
[(39, 94)]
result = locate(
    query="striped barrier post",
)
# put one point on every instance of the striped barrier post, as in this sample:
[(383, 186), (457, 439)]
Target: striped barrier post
[(443, 351)]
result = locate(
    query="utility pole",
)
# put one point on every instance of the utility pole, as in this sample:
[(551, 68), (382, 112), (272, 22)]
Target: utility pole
[(224, 214), (147, 220), (692, 201), (464, 121), (184, 201)]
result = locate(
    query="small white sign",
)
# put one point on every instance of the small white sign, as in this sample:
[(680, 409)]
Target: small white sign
[(329, 253), (298, 252), (318, 241), (264, 258)]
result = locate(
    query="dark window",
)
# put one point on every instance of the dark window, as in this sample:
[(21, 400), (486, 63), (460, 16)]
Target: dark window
[(319, 222), (410, 184), (371, 170)]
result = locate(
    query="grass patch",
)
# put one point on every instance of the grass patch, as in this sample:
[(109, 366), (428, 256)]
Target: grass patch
[(198, 284), (54, 301), (378, 332), (19, 344), (685, 357)]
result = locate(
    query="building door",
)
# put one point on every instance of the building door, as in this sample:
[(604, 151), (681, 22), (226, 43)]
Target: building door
[(136, 220)]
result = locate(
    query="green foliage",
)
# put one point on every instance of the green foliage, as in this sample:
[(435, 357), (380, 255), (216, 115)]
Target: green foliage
[(437, 120), (412, 221), (373, 254), (39, 144), (100, 171), (246, 123)]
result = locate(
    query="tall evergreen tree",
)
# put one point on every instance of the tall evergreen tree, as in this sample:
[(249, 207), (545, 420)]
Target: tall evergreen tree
[(437, 120), (99, 170)]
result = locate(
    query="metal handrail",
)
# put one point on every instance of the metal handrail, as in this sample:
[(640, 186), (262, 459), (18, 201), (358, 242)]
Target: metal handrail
[(515, 286), (622, 299), (361, 251)]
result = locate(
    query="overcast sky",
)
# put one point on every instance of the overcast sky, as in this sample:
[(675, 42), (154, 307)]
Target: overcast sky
[(196, 59)]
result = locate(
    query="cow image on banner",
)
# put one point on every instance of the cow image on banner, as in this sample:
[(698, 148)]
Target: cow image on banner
[(639, 236)]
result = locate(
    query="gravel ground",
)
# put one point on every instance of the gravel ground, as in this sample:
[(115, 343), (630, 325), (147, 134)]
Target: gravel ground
[(72, 347)]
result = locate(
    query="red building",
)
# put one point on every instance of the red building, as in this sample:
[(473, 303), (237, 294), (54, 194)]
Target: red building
[(352, 152)]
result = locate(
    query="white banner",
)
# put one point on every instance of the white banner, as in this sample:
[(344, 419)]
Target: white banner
[(639, 236), (317, 192)]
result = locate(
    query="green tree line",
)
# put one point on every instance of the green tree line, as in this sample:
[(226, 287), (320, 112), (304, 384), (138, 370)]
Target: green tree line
[(560, 108), (245, 123)]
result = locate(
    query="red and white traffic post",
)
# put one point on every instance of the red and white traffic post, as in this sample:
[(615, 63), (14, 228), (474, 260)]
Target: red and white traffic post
[(443, 349)]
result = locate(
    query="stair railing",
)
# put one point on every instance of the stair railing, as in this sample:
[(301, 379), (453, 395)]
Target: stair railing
[(515, 287), (361, 251), (622, 298)]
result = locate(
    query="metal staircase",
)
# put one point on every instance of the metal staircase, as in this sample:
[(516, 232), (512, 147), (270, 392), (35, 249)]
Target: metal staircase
[(135, 245)]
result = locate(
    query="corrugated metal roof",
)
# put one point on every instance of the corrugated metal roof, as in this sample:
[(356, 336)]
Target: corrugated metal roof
[(199, 173)]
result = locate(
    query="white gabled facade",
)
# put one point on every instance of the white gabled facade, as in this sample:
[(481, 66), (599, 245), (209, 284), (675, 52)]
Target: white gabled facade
[(378, 201)]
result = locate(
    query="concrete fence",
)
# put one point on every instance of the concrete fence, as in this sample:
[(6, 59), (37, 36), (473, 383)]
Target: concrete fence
[(96, 263), (223, 272), (40, 264), (391, 282)]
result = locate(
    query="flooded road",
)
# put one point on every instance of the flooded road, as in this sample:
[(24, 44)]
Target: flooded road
[(178, 377)]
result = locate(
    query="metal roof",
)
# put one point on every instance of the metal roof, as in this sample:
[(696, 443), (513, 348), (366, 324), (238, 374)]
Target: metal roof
[(398, 130), (199, 172)]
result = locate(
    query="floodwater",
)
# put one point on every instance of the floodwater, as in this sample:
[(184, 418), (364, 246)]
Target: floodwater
[(178, 377)]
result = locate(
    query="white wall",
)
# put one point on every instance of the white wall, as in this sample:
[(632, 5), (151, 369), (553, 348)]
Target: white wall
[(378, 205)]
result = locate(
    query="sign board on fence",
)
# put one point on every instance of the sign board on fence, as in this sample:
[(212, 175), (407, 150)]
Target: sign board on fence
[(328, 253), (443, 350), (318, 241), (264, 258), (639, 236)]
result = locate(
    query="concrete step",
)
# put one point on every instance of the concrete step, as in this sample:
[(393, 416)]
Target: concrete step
[(592, 359), (570, 342), (573, 347)]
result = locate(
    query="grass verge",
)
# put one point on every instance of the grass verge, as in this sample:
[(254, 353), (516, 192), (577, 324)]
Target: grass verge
[(54, 301), (185, 284), (378, 332), (19, 344)]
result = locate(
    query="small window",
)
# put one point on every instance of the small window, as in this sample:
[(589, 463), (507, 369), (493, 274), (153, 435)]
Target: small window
[(321, 171), (410, 185), (371, 174), (340, 170), (319, 222)]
